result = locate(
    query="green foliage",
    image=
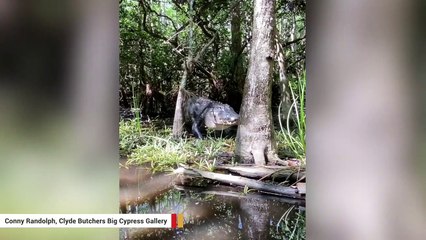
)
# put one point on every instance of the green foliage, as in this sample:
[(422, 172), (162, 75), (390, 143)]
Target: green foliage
[(147, 55), (161, 153), (205, 153), (295, 229), (154, 146), (292, 225), (155, 39), (291, 25), (295, 140), (247, 190), (130, 134)]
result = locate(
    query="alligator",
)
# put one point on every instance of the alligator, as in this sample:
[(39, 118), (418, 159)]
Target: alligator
[(202, 112)]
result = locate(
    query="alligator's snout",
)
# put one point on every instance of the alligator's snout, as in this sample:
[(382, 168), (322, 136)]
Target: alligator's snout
[(232, 120)]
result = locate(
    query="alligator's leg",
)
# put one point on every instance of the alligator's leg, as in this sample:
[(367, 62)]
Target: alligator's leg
[(196, 130)]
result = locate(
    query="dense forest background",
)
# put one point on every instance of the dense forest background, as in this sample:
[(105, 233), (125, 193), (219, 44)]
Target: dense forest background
[(157, 37)]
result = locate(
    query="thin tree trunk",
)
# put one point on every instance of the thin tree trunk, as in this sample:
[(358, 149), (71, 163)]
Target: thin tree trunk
[(178, 120), (284, 86), (237, 67)]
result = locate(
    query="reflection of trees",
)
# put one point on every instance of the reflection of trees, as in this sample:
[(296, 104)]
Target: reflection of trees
[(209, 216), (255, 216), (170, 202)]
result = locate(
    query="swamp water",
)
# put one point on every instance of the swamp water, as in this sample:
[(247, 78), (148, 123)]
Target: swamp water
[(212, 212)]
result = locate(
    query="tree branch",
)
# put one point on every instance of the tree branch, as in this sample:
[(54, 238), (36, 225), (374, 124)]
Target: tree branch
[(292, 42), (201, 52), (145, 27)]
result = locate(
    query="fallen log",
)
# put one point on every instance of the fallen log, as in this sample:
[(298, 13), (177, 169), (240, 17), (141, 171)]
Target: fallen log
[(229, 191), (279, 173), (241, 181)]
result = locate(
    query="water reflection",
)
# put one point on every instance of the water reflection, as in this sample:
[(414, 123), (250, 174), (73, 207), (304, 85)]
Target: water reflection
[(210, 212), (227, 216)]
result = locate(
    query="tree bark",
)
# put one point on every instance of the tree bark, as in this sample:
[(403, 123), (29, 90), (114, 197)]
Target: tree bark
[(255, 138), (178, 120), (284, 85), (237, 66)]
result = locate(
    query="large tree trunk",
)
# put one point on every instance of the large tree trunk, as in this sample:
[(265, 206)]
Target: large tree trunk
[(255, 138)]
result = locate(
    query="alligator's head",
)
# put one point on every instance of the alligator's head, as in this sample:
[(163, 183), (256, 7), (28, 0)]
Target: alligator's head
[(220, 116)]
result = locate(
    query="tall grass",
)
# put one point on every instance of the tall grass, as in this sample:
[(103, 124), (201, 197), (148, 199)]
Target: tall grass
[(295, 140), (153, 146), (294, 229), (162, 153)]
